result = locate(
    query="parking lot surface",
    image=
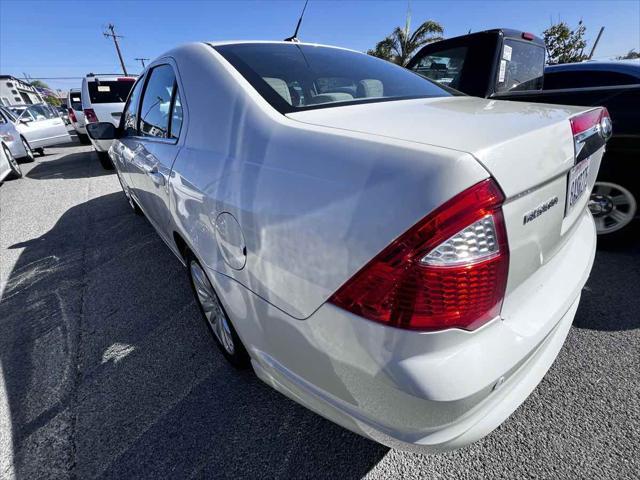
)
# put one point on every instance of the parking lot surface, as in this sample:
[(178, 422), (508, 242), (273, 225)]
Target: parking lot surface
[(107, 370)]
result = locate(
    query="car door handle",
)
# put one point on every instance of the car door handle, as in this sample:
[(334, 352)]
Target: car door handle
[(156, 176)]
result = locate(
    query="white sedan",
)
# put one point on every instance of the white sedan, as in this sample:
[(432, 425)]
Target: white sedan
[(403, 261)]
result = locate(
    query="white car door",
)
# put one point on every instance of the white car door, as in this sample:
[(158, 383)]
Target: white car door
[(41, 127), (157, 144)]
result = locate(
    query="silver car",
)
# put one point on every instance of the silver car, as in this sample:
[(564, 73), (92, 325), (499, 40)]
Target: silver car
[(39, 125), (12, 138), (401, 260)]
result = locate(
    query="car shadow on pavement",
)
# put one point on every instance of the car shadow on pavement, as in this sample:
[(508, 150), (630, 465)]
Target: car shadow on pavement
[(72, 165), (109, 370), (610, 300)]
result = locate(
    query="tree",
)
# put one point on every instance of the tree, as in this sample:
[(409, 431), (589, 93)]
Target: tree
[(38, 84), (51, 100), (400, 46), (565, 45), (630, 55)]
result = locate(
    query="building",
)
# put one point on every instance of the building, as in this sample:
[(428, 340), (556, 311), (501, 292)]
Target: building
[(16, 92)]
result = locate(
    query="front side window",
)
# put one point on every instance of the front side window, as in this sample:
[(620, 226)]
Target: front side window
[(293, 77), (444, 67), (110, 91), (156, 102), (521, 67), (40, 112), (130, 113)]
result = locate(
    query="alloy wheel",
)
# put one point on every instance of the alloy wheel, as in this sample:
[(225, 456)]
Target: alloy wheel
[(27, 148), (211, 307), (12, 162), (613, 207)]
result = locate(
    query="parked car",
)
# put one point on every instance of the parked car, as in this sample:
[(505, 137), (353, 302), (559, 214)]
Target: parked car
[(103, 98), (62, 112), (510, 65), (39, 125), (11, 137), (76, 115), (9, 168), (398, 258)]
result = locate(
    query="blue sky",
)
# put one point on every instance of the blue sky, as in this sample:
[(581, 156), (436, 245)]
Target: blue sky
[(64, 38)]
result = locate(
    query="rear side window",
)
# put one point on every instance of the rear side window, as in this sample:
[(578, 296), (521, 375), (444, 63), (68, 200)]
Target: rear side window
[(109, 91), (521, 67), (586, 79), (76, 101), (156, 102), (130, 114), (176, 116), (443, 67)]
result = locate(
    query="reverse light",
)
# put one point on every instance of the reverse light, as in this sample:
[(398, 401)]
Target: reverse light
[(90, 115), (447, 271)]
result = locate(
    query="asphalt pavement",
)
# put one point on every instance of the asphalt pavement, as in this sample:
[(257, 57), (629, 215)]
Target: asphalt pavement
[(107, 370)]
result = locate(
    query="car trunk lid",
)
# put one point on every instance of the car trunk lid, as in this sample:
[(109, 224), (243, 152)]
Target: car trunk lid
[(528, 148)]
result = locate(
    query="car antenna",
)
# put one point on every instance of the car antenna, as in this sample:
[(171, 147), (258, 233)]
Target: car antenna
[(294, 38)]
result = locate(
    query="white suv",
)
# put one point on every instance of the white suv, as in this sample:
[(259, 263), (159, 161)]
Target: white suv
[(103, 98), (76, 115)]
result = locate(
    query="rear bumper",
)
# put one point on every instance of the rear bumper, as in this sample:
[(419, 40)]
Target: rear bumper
[(415, 391)]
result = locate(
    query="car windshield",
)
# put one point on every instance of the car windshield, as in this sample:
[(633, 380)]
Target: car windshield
[(110, 91), (293, 77)]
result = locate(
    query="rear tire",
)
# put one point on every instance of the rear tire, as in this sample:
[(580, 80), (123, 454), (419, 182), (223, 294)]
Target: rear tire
[(214, 315), (16, 172), (40, 151), (30, 157), (105, 160), (83, 138)]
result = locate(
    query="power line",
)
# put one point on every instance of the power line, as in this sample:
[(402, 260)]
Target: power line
[(115, 38)]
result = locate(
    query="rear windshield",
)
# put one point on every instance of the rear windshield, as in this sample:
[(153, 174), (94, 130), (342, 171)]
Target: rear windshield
[(76, 101), (521, 66), (109, 91), (293, 77)]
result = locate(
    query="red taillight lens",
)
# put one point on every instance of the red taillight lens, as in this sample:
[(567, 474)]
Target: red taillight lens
[(72, 115), (590, 131), (585, 121), (448, 271), (90, 115)]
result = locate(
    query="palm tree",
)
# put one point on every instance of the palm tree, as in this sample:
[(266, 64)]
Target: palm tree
[(400, 46)]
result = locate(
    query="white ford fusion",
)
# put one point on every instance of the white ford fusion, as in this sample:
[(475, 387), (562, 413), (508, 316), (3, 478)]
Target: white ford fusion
[(402, 260)]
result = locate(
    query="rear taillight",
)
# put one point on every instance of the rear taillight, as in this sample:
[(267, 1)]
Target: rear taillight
[(590, 131), (448, 271), (90, 115), (72, 115)]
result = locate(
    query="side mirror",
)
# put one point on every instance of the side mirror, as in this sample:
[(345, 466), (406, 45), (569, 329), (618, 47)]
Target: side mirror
[(25, 121), (102, 131)]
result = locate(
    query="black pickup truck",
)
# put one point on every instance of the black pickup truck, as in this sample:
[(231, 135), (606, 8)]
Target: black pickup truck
[(509, 64)]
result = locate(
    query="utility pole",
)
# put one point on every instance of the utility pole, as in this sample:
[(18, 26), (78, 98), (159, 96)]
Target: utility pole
[(141, 60), (595, 44), (115, 40)]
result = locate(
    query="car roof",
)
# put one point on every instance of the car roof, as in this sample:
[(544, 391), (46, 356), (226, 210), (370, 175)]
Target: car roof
[(630, 67), (275, 42)]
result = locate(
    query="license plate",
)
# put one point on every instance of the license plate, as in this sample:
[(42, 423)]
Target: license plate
[(578, 183)]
